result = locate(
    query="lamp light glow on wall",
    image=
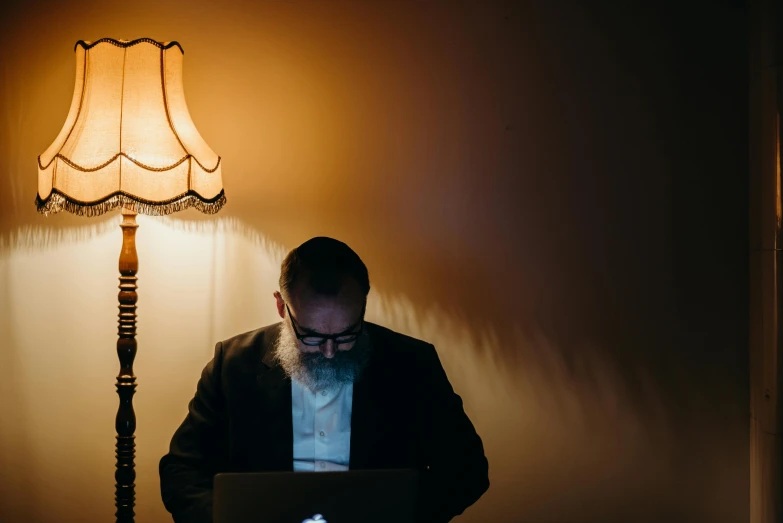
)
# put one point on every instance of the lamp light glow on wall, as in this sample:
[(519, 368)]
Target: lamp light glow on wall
[(128, 141)]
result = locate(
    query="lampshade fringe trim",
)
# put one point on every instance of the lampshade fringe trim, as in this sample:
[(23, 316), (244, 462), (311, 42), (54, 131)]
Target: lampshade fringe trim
[(57, 202), (125, 44)]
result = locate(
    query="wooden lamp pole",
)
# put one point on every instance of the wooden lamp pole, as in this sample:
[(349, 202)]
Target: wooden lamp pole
[(125, 475)]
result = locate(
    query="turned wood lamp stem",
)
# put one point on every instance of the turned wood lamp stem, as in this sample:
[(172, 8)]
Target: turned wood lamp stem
[(125, 475)]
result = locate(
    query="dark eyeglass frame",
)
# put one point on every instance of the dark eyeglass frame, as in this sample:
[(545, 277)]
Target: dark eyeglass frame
[(341, 338)]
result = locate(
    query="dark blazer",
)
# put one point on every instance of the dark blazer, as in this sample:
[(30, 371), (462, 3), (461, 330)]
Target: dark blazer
[(405, 414)]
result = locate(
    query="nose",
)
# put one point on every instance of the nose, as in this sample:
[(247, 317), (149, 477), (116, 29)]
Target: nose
[(328, 348)]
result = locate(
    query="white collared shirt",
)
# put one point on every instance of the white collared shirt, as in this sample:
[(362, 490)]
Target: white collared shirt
[(322, 428)]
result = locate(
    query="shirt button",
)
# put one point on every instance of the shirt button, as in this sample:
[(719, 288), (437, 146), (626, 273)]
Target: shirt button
[(322, 433), (323, 465), (323, 393)]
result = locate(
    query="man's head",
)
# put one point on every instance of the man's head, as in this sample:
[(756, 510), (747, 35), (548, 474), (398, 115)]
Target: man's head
[(323, 292)]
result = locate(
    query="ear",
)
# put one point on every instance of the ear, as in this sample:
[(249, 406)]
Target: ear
[(280, 304)]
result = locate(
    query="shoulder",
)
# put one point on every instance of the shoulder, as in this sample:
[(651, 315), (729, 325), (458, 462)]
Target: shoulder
[(385, 335), (395, 344), (252, 345), (392, 351)]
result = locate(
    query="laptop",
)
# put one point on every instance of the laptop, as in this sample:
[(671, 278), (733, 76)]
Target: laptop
[(355, 496)]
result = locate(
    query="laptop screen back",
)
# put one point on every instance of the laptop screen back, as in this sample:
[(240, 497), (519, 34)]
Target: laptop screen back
[(360, 496)]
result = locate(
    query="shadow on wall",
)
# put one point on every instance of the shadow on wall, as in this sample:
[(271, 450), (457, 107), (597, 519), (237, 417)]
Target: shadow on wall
[(35, 237), (561, 433)]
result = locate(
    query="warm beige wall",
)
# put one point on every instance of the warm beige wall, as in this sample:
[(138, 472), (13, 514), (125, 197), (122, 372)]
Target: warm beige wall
[(519, 182)]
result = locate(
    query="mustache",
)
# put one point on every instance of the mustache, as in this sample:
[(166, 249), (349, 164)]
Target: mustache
[(317, 358), (316, 370)]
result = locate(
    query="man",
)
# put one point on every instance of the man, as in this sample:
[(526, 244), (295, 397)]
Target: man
[(324, 390)]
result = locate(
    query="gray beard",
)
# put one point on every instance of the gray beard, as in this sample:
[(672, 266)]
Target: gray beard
[(314, 370)]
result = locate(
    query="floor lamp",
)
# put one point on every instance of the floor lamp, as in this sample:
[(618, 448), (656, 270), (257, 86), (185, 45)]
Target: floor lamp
[(128, 142)]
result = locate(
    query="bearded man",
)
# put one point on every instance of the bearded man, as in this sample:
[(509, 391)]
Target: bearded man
[(324, 390)]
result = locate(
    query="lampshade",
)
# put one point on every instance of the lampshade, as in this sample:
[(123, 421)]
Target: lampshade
[(128, 138)]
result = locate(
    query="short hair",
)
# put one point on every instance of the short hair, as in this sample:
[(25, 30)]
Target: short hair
[(322, 263)]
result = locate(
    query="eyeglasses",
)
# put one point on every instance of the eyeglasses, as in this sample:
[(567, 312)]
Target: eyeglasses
[(313, 340)]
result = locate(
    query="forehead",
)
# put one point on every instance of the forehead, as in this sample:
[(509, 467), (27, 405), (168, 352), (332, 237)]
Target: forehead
[(327, 314)]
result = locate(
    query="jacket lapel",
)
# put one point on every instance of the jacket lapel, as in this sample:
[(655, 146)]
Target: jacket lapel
[(276, 423), (364, 411), (361, 427)]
